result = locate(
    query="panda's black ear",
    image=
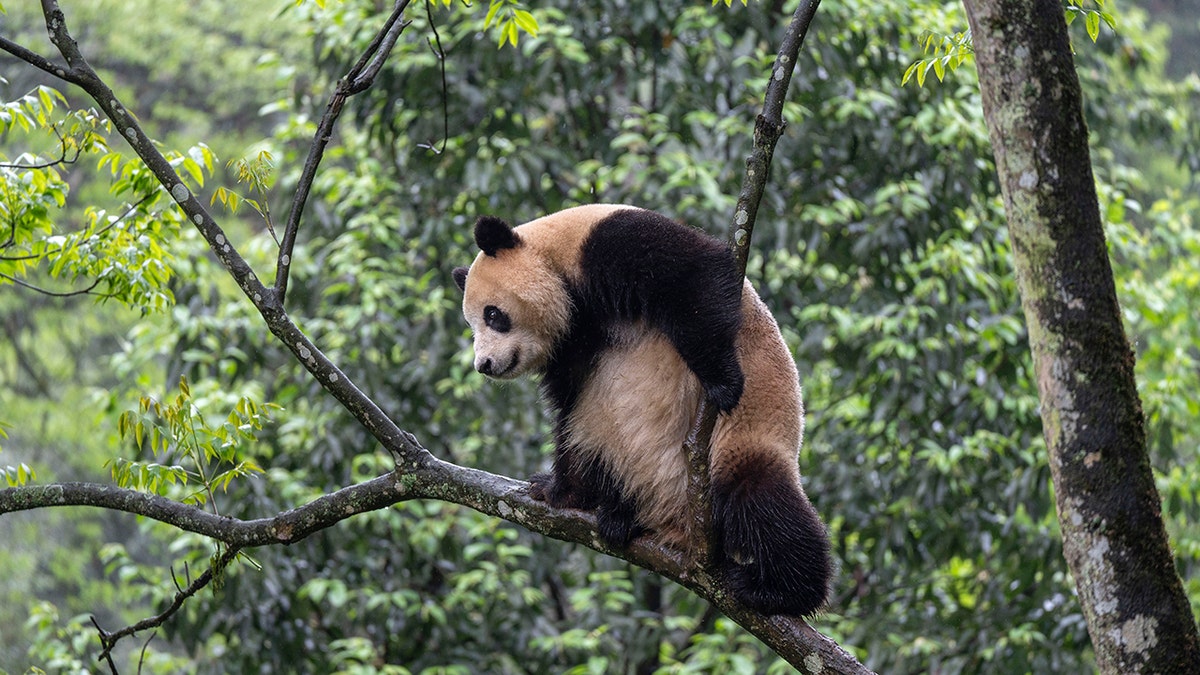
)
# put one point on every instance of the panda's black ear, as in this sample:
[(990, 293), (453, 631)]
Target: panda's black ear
[(493, 234), (460, 277)]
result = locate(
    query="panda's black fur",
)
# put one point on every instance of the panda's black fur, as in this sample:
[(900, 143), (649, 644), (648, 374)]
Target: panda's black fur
[(630, 317)]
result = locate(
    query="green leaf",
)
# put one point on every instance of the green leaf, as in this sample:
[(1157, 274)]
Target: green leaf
[(18, 475), (526, 21), (492, 10)]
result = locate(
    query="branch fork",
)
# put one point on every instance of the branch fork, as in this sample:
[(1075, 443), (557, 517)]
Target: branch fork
[(418, 474)]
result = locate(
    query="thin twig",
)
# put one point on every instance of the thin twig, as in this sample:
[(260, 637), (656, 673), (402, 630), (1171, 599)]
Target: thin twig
[(55, 294), (175, 580), (109, 640), (436, 45), (105, 655), (142, 658), (62, 159), (358, 79), (50, 251)]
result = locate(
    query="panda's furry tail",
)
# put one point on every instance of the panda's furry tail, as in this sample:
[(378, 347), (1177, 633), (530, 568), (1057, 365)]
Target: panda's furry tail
[(773, 547)]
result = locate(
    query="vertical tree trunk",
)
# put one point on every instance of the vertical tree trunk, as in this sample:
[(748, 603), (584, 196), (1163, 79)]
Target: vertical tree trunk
[(1109, 510)]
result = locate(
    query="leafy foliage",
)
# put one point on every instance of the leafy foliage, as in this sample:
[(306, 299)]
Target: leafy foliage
[(18, 475), (947, 52), (882, 250), (1091, 17), (509, 18), (514, 20), (177, 430), (258, 174), (120, 253)]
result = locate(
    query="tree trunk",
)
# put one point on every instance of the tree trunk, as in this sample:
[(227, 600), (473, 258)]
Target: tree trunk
[(1109, 510)]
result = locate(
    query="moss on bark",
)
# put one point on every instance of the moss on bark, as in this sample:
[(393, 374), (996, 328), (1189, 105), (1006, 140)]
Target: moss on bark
[(1109, 509)]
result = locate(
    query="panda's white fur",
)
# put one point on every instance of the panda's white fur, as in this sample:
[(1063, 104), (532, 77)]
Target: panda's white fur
[(630, 319), (633, 414)]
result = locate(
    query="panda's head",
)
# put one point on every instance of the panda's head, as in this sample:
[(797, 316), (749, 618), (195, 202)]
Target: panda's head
[(516, 304)]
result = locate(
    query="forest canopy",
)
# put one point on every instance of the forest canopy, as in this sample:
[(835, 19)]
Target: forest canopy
[(881, 247)]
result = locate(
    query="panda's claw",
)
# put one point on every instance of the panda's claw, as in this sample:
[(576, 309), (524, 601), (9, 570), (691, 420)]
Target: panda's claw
[(725, 395), (540, 486)]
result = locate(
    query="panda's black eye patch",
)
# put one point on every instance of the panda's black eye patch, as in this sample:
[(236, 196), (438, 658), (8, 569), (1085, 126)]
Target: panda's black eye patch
[(496, 319)]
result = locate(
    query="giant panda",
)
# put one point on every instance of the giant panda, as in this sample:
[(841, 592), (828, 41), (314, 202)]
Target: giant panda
[(630, 318)]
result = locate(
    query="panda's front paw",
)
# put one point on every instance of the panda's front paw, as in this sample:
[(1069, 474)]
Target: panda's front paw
[(725, 395), (541, 486), (554, 491)]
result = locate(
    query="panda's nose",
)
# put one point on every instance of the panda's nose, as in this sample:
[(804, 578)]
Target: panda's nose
[(484, 367)]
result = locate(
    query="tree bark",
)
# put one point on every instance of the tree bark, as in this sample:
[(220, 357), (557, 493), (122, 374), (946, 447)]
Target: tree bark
[(1108, 507)]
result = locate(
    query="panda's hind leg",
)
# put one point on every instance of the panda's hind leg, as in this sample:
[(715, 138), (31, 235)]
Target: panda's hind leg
[(616, 520)]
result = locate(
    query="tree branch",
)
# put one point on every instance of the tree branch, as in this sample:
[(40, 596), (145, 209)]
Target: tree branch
[(50, 251), (436, 45), (53, 294), (357, 80), (487, 493), (768, 128), (418, 475), (400, 443), (62, 157), (38, 61)]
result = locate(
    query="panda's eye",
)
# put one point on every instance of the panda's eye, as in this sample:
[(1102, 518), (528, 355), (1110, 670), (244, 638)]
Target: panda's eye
[(496, 319)]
